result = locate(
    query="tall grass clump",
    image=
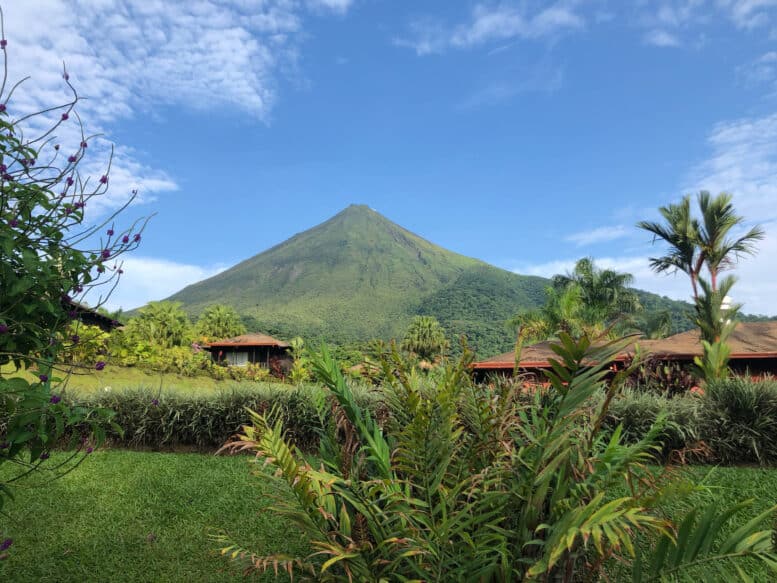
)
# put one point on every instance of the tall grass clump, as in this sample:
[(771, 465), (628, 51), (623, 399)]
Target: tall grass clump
[(740, 419), (161, 420), (637, 411), (517, 492)]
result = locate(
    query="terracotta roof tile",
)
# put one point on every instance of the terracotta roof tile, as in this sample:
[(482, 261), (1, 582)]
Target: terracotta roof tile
[(249, 340), (749, 340)]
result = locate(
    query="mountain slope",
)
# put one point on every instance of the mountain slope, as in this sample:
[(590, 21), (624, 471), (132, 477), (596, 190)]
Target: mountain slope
[(359, 276)]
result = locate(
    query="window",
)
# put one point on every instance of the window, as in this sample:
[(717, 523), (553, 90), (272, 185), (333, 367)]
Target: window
[(237, 358)]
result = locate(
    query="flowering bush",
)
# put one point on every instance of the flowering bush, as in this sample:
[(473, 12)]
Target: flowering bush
[(50, 257)]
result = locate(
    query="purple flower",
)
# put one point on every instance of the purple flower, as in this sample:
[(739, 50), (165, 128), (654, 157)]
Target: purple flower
[(6, 543), (68, 210), (69, 181), (110, 232), (43, 378), (7, 176), (80, 204), (73, 314), (83, 145), (136, 238), (65, 116), (121, 271), (14, 223), (31, 161), (100, 269), (75, 338), (55, 399), (106, 253), (89, 449), (3, 167), (44, 455), (66, 298), (155, 402), (56, 147), (72, 158), (3, 329), (79, 289), (2, 107), (125, 239), (103, 179), (100, 365)]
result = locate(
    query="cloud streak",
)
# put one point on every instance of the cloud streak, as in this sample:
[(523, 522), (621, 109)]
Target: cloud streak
[(491, 23)]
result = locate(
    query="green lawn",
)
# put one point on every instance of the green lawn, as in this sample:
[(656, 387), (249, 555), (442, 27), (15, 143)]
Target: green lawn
[(131, 516), (117, 378)]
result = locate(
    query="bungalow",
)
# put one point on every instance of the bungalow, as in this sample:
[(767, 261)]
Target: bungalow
[(753, 350), (258, 349)]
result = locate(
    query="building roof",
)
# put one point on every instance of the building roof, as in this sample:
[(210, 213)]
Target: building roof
[(246, 340), (749, 340), (90, 316)]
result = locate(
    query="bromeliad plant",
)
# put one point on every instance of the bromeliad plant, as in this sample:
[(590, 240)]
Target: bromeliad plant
[(464, 484)]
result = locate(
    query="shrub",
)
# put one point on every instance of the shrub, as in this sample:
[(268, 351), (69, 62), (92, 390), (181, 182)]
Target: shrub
[(153, 420), (522, 496), (740, 420), (637, 411)]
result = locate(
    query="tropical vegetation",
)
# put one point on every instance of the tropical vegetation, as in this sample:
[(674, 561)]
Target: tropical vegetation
[(458, 486)]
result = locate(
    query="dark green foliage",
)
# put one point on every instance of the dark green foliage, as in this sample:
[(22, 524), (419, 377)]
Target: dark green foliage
[(739, 420), (479, 302)]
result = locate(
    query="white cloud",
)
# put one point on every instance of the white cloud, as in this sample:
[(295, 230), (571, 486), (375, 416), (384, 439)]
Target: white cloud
[(761, 71), (148, 279), (128, 58), (491, 23), (598, 235), (340, 6), (661, 38), (744, 163)]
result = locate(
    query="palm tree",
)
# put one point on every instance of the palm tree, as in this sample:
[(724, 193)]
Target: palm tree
[(219, 321), (717, 220), (425, 338), (656, 325), (694, 244), (606, 295), (563, 312), (680, 232)]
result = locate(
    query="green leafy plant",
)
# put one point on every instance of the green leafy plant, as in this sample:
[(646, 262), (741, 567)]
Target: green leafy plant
[(50, 257), (463, 484)]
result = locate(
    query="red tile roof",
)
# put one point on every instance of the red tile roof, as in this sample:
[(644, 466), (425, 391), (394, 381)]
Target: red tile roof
[(248, 340), (749, 340)]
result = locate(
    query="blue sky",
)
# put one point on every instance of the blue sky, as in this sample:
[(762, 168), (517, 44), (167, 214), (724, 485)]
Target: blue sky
[(527, 134)]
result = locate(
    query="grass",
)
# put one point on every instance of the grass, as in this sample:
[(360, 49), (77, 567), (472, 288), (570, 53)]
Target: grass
[(132, 516), (122, 378)]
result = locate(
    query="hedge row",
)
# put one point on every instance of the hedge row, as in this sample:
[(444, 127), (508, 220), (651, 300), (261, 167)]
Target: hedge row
[(735, 421)]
